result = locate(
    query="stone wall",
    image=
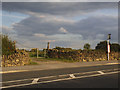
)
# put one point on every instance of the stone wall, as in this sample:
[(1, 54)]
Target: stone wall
[(82, 55), (17, 59)]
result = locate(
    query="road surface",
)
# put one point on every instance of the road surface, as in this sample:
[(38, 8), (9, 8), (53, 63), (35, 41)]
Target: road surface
[(104, 76)]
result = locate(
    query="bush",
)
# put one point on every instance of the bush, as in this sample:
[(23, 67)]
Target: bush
[(87, 46), (8, 46)]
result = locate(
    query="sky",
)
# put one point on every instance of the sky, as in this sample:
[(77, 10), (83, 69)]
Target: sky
[(64, 24)]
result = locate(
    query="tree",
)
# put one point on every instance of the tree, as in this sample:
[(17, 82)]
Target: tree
[(8, 46), (115, 47), (58, 48), (87, 46), (63, 49), (34, 50), (102, 46)]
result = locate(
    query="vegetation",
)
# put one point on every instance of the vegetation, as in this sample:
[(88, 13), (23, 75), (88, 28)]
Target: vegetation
[(8, 46), (115, 47), (33, 53), (87, 46), (103, 46), (63, 49), (61, 53), (34, 50)]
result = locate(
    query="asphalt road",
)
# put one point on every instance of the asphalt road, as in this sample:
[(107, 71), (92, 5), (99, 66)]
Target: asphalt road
[(104, 81), (83, 77)]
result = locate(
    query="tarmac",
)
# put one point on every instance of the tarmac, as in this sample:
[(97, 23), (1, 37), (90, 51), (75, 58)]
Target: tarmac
[(49, 66)]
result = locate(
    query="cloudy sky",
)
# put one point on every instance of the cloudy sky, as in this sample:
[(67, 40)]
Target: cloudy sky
[(65, 24)]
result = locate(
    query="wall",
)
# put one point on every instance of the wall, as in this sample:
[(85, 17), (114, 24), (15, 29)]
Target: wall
[(17, 59), (82, 55)]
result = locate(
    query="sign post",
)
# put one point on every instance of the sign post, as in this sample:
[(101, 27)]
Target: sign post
[(108, 45)]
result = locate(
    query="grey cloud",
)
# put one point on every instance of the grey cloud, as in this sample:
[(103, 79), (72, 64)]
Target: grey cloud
[(95, 25), (57, 8), (88, 28), (8, 30), (90, 35), (92, 28), (33, 24)]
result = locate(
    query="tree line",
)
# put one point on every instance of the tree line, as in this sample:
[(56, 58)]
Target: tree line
[(9, 47), (100, 46)]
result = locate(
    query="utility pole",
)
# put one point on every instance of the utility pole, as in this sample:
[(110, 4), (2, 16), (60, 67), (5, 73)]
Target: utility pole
[(108, 45)]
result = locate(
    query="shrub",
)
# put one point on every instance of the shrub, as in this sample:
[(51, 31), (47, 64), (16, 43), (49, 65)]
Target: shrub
[(8, 46)]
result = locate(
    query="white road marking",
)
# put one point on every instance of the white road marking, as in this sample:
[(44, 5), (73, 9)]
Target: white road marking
[(27, 79), (35, 80), (59, 80), (72, 76), (55, 76), (45, 77), (17, 80), (100, 72)]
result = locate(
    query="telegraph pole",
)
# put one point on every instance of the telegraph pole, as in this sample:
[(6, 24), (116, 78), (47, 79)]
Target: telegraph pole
[(108, 44)]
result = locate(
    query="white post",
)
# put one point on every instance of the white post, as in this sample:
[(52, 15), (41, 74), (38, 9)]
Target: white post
[(108, 47)]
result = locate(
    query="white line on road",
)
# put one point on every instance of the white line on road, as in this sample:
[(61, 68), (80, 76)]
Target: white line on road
[(35, 80), (27, 79), (46, 77), (55, 76), (100, 72), (72, 76), (59, 80)]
